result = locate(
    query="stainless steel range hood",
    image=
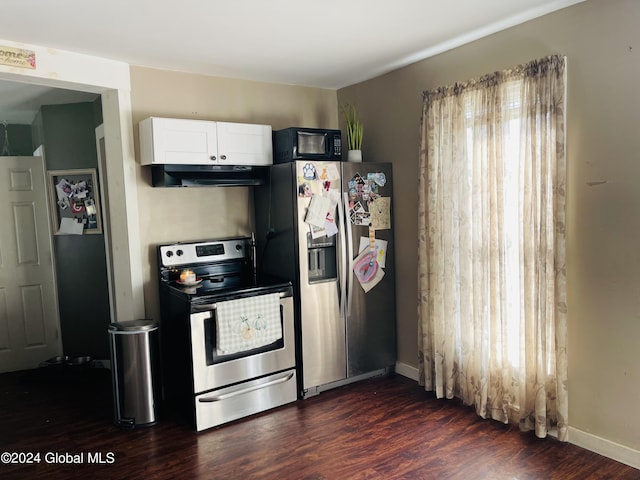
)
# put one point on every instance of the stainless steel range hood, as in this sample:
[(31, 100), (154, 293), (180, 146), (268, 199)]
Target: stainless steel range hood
[(170, 175)]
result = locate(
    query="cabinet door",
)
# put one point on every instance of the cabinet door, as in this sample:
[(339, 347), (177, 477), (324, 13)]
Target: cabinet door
[(244, 144), (178, 141)]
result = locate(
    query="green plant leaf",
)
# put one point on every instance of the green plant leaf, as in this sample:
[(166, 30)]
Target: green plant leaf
[(355, 128)]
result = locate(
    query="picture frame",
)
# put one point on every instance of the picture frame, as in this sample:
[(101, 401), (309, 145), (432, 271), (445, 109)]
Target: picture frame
[(74, 202)]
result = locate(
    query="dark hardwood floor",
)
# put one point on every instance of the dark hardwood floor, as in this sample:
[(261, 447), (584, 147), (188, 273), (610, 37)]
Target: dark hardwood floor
[(384, 428)]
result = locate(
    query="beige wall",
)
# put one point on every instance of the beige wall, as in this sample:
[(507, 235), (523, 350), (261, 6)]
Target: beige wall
[(602, 42), (184, 214)]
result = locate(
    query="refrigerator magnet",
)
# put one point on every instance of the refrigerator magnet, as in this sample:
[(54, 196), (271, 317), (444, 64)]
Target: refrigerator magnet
[(358, 179), (304, 190), (379, 178), (362, 218), (309, 171), (366, 190), (357, 207)]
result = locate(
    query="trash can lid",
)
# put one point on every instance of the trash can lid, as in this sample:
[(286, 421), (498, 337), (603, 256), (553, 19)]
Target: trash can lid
[(141, 325)]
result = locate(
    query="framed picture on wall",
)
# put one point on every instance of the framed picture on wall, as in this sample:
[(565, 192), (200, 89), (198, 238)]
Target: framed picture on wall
[(74, 202)]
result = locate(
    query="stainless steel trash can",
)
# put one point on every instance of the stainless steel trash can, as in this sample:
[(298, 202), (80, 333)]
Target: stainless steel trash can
[(135, 372)]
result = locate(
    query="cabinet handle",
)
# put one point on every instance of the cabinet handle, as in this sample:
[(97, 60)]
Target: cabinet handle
[(223, 157), (212, 157)]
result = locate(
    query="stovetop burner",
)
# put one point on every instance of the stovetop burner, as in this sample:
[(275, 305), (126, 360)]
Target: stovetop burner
[(223, 268), (207, 289)]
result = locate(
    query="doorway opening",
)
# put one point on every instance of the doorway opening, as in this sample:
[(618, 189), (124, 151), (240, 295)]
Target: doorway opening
[(110, 80)]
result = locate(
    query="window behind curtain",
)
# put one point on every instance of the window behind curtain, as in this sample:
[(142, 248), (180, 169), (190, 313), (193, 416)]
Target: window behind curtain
[(492, 310)]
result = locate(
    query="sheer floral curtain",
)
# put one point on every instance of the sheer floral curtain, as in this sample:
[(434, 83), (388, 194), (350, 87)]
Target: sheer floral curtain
[(492, 307)]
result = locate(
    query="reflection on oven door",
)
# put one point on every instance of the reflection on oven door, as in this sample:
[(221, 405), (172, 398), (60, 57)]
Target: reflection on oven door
[(231, 403)]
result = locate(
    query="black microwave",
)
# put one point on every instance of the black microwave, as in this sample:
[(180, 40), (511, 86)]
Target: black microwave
[(297, 143)]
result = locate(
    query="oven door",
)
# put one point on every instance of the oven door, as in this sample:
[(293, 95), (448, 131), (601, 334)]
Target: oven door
[(211, 371)]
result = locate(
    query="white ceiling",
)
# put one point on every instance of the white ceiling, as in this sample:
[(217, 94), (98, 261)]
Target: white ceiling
[(327, 44)]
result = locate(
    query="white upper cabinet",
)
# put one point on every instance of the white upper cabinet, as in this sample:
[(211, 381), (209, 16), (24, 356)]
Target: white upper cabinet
[(244, 144), (203, 142), (177, 141)]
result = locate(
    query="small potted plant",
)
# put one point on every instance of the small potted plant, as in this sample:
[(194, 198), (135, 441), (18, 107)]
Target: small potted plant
[(354, 133)]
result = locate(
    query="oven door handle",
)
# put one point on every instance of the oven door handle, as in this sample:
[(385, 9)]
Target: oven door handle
[(241, 391), (208, 307)]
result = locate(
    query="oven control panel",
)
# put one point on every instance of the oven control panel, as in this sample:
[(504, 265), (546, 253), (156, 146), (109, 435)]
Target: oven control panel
[(212, 249), (205, 252)]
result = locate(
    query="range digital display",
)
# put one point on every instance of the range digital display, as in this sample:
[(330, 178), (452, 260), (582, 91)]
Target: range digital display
[(208, 250)]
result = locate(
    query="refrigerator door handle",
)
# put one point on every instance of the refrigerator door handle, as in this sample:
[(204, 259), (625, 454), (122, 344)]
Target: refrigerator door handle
[(347, 223), (343, 257)]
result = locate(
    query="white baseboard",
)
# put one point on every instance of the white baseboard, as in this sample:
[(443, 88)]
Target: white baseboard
[(407, 371), (585, 440), (604, 447)]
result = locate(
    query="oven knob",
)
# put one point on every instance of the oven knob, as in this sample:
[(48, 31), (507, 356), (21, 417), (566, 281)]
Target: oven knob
[(179, 253), (169, 253), (238, 247)]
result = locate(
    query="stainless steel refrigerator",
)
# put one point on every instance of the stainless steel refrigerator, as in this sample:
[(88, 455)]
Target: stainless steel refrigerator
[(328, 228)]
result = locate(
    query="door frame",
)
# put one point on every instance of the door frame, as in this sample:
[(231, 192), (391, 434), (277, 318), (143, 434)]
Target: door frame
[(39, 152), (110, 79), (104, 205)]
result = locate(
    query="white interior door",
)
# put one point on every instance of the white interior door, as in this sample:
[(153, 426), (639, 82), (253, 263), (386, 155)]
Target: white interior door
[(29, 320)]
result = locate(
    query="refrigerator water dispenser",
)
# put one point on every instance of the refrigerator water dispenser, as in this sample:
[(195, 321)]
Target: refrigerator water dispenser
[(321, 254)]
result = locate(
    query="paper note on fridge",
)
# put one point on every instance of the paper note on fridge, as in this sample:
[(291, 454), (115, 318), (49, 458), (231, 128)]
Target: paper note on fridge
[(330, 226), (380, 246), (332, 171), (380, 210), (317, 211), (317, 232), (367, 270)]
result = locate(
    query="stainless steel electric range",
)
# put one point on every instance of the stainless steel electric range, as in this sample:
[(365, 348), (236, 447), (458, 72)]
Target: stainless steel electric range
[(227, 335)]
